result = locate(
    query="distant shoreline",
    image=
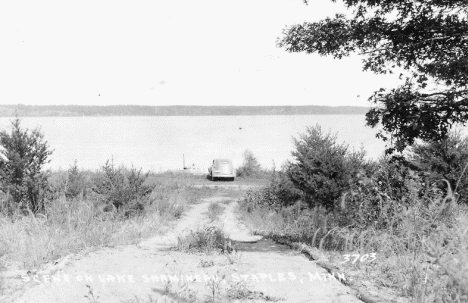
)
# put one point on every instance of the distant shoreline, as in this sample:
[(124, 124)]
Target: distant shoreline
[(174, 110)]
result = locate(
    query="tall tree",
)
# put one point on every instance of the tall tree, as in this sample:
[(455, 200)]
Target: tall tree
[(427, 39)]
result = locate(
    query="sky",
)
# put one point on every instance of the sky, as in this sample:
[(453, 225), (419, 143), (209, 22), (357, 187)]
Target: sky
[(204, 52)]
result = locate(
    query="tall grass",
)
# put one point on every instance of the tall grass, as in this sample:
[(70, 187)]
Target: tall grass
[(421, 249), (206, 239), (403, 212), (72, 225)]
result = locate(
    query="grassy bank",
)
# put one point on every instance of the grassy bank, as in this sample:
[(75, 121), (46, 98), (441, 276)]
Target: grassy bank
[(71, 225), (397, 226), (420, 255)]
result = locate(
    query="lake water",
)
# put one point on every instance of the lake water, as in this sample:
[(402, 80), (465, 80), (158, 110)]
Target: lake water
[(158, 143)]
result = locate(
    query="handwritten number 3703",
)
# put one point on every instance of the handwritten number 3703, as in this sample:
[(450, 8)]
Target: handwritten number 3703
[(357, 257)]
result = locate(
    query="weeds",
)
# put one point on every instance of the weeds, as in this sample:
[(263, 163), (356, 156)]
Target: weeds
[(72, 225), (150, 299), (205, 240), (412, 223), (181, 293), (206, 263), (421, 251), (214, 291), (239, 291), (90, 296), (214, 286)]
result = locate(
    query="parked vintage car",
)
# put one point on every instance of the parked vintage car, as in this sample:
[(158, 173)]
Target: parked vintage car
[(222, 168)]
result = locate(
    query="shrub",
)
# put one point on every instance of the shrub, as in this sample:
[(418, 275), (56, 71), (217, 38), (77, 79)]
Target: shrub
[(124, 189), (323, 170), (423, 246), (24, 155), (250, 167), (281, 189), (395, 208), (445, 159), (76, 185), (379, 194), (396, 180), (279, 192)]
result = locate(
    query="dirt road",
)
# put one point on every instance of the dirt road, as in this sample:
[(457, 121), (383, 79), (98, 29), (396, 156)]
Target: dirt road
[(258, 271)]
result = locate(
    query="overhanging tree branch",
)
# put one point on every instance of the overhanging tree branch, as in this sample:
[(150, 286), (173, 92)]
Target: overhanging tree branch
[(428, 39)]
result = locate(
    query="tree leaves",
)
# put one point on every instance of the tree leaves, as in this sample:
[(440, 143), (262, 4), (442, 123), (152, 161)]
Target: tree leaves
[(428, 39), (323, 169)]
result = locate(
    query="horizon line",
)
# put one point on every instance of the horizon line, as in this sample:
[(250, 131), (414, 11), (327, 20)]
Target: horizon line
[(143, 105)]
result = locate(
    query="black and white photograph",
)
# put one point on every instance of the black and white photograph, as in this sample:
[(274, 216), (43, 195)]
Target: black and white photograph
[(157, 151)]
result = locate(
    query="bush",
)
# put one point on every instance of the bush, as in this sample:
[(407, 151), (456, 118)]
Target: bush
[(76, 185), (388, 187), (279, 192), (71, 184), (124, 189), (423, 246), (401, 209), (24, 155), (397, 180), (444, 160), (323, 170), (250, 168)]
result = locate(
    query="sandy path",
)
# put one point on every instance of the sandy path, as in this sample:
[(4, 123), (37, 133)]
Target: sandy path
[(257, 271)]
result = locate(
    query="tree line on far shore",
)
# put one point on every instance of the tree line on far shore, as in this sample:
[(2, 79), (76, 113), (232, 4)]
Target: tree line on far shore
[(176, 110)]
